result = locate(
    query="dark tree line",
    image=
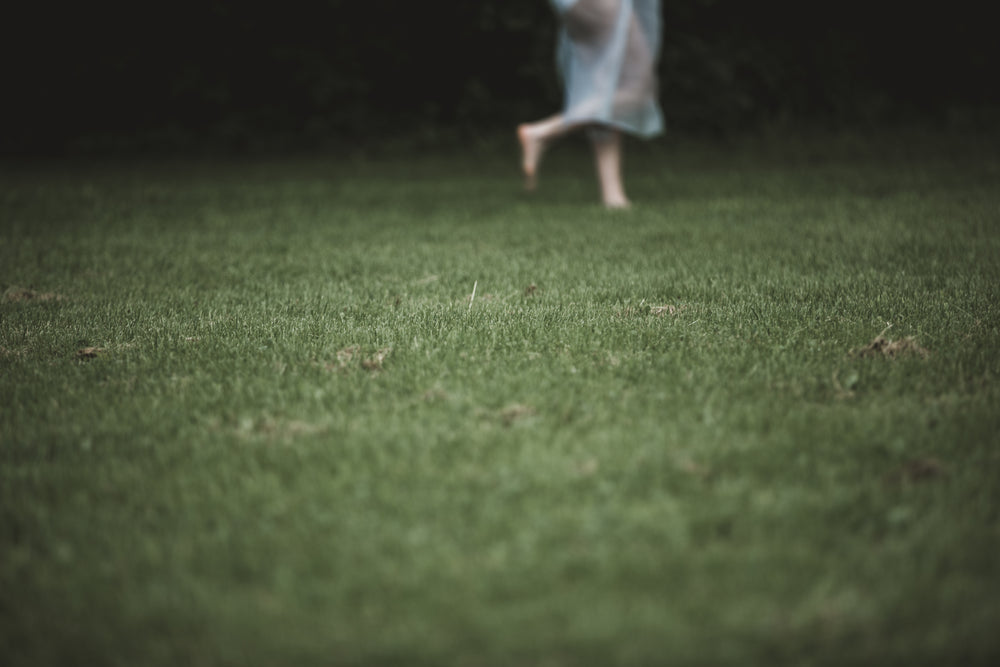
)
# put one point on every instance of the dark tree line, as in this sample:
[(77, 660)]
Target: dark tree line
[(230, 75)]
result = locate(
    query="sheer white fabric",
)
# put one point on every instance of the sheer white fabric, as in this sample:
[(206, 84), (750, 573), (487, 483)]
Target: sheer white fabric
[(607, 57)]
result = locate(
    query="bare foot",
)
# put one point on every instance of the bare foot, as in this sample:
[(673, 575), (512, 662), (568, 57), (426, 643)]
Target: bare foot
[(531, 154), (617, 204)]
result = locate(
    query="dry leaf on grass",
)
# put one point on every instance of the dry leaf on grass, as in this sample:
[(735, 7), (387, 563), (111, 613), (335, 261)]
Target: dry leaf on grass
[(918, 470), (275, 430), (344, 357), (690, 467), (8, 352), (515, 412), (645, 309), (892, 349), (348, 356), (434, 394), (23, 294), (374, 362)]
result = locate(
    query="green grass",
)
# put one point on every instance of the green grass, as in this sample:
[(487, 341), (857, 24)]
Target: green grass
[(298, 444)]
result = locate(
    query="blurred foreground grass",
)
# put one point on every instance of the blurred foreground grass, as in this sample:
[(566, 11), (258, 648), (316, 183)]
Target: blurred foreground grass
[(248, 414)]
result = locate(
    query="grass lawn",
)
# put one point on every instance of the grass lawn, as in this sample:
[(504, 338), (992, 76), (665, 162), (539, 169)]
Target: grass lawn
[(251, 415)]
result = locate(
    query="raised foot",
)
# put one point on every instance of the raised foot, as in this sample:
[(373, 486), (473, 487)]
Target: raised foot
[(531, 154)]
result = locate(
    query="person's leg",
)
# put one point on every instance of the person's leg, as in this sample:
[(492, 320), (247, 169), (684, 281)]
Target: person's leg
[(535, 138), (587, 22), (592, 21), (607, 144), (637, 80)]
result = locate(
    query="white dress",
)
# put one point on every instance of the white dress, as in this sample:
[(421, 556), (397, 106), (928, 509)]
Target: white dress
[(607, 56)]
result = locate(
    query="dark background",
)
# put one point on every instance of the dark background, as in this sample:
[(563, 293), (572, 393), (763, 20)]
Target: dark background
[(223, 76)]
